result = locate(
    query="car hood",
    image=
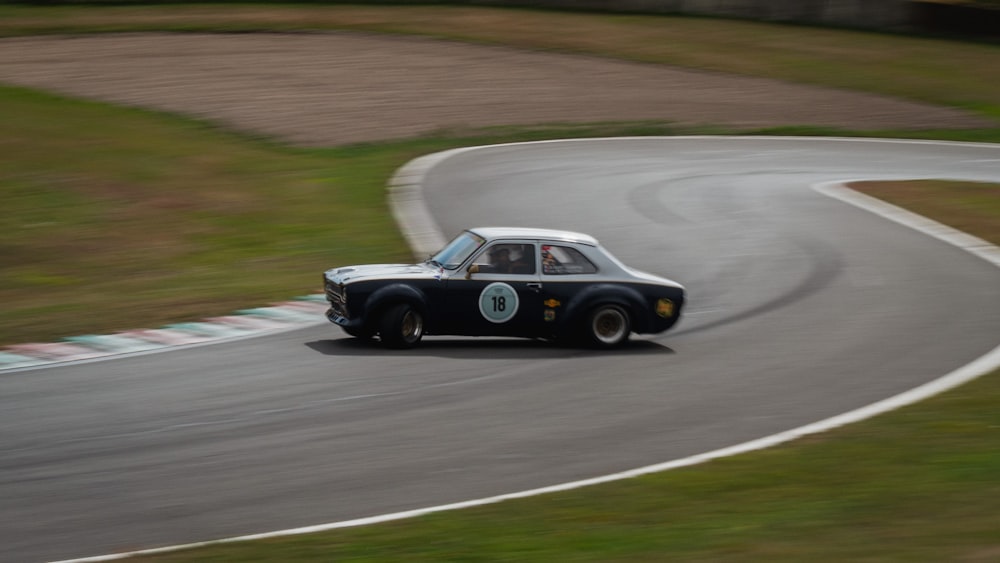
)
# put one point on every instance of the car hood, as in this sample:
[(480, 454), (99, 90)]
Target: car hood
[(652, 277), (348, 274)]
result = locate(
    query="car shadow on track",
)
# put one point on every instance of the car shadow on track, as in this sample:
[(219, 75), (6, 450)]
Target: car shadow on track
[(475, 348)]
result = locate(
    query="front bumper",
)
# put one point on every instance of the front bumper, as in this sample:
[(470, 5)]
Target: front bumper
[(336, 318)]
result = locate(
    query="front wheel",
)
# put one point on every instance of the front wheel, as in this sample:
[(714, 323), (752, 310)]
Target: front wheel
[(607, 327), (401, 326)]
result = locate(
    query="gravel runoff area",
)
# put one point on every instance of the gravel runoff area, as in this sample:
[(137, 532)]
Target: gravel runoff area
[(322, 89)]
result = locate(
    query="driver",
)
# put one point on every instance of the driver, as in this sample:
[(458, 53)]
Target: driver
[(500, 260)]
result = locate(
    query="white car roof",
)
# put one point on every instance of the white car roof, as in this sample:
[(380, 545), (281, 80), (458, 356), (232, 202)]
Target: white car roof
[(493, 233)]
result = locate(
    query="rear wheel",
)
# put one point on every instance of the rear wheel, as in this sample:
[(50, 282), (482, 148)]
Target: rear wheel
[(607, 326), (401, 326)]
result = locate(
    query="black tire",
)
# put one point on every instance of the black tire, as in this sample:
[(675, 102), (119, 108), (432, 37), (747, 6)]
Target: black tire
[(401, 326), (608, 326)]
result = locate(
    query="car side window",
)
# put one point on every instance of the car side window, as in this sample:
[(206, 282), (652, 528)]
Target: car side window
[(507, 258), (565, 260)]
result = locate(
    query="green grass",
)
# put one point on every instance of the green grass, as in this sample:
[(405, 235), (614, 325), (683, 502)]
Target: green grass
[(150, 218), (972, 207)]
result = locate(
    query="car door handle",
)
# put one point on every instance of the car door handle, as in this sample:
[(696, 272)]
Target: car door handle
[(535, 286)]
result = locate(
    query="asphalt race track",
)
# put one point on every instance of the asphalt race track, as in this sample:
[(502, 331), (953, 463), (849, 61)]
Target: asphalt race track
[(801, 307)]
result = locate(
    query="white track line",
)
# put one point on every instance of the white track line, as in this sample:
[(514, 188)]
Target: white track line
[(838, 190)]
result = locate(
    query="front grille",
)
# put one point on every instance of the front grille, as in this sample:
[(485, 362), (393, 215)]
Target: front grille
[(335, 295)]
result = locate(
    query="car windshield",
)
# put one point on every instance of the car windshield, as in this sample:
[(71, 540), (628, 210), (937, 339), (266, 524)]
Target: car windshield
[(457, 251)]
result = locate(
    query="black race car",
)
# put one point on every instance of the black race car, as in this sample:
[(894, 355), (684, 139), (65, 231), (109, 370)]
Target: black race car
[(534, 283)]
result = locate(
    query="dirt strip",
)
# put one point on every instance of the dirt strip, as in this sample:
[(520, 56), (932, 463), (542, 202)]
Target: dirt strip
[(320, 89)]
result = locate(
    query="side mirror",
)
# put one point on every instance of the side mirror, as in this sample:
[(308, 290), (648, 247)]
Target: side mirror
[(473, 269)]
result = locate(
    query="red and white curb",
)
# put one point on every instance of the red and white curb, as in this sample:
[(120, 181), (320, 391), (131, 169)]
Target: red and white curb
[(289, 315)]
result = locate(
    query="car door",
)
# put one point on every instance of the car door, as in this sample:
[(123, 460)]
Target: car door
[(566, 275), (499, 295)]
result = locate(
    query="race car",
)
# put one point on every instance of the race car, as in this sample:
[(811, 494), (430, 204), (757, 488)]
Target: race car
[(505, 281)]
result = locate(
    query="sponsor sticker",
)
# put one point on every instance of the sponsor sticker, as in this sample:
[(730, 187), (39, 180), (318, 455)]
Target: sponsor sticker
[(665, 308)]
